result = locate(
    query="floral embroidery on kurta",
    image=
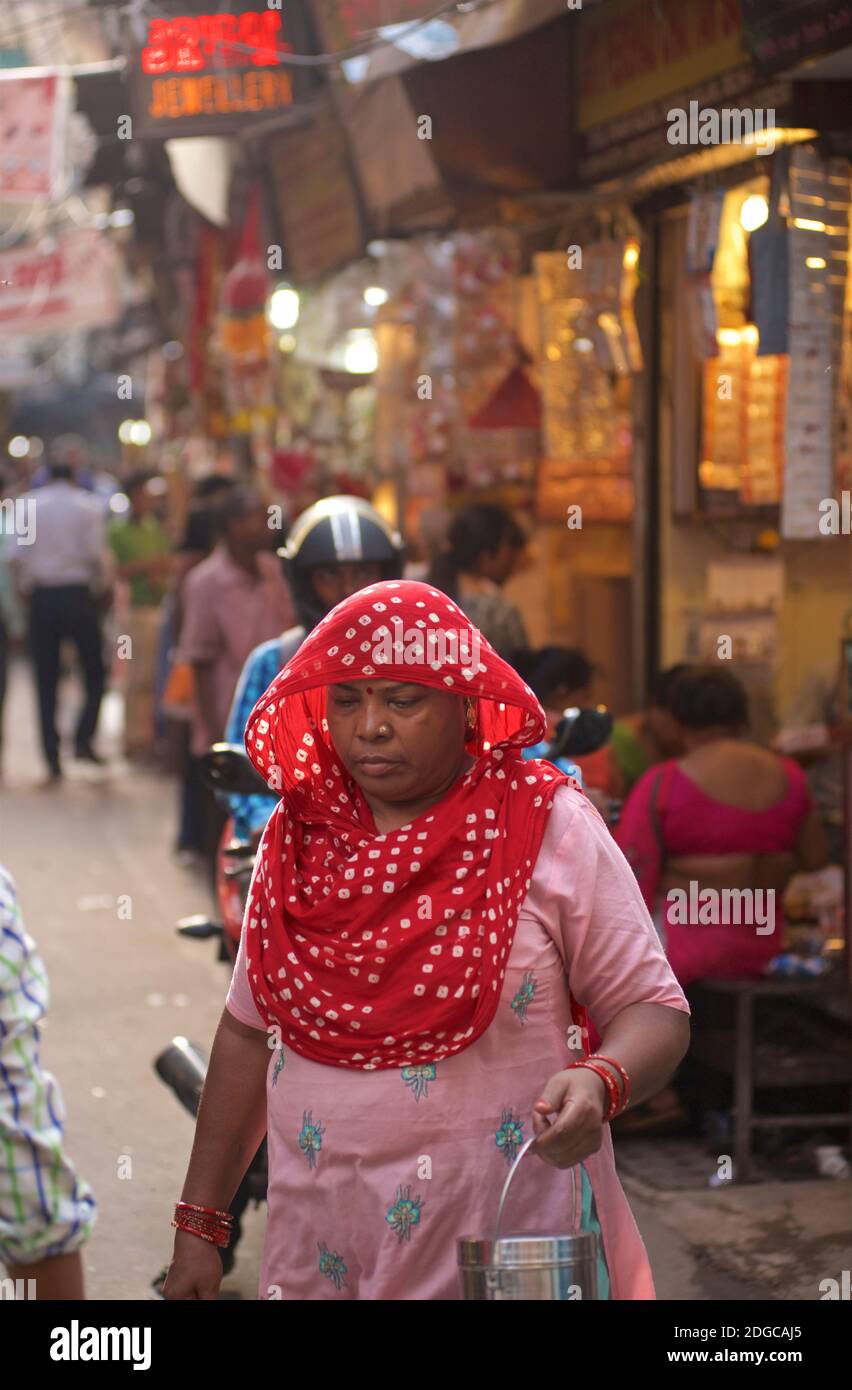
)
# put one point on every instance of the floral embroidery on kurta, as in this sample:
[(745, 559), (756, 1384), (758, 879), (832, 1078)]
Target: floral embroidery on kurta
[(510, 1135), (404, 1213), (417, 1078), (332, 1265), (524, 996), (310, 1138)]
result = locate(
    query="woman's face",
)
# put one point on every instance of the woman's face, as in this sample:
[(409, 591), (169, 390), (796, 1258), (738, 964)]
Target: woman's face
[(401, 742), (498, 565), (333, 583)]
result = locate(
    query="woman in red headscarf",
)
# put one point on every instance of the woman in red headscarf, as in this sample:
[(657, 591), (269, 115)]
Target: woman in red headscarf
[(429, 919)]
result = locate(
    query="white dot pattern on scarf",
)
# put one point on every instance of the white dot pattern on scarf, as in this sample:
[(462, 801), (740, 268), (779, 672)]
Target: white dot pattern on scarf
[(371, 950)]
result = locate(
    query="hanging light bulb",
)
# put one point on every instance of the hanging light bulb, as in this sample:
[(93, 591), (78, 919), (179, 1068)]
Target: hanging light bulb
[(283, 312), (360, 353), (754, 212), (375, 296)]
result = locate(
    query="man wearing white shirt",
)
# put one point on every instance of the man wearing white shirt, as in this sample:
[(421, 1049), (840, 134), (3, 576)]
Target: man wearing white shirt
[(60, 564)]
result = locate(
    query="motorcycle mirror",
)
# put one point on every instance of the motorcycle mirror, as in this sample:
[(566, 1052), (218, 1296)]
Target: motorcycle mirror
[(581, 731), (226, 768)]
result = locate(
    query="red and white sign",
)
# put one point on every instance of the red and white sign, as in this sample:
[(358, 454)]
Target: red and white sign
[(61, 286), (33, 124)]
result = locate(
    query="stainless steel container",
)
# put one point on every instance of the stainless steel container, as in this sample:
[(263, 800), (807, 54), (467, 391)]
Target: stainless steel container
[(528, 1265)]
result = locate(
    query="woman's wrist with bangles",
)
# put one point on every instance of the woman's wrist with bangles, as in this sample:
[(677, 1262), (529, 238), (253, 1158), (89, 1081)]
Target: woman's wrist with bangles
[(617, 1091), (208, 1223)]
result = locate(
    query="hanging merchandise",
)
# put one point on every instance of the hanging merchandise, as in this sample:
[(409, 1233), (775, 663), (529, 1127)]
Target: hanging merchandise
[(705, 214), (819, 233), (243, 332), (204, 369), (742, 445), (764, 423), (502, 439), (586, 379), (769, 260), (461, 298)]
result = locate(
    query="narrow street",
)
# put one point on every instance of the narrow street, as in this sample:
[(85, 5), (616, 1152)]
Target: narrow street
[(122, 987)]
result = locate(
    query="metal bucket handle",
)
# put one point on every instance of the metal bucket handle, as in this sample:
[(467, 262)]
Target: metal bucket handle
[(522, 1151)]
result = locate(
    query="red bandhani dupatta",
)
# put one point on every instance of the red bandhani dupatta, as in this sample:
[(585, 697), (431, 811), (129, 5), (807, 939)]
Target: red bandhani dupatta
[(368, 950)]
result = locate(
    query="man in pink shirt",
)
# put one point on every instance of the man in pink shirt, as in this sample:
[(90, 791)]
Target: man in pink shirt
[(233, 600)]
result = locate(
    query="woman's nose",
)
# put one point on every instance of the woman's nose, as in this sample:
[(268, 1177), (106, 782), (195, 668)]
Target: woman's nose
[(370, 719)]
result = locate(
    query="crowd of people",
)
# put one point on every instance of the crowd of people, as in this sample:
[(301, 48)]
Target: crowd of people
[(206, 618)]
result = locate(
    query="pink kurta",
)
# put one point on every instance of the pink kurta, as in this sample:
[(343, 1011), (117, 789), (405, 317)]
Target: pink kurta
[(374, 1175)]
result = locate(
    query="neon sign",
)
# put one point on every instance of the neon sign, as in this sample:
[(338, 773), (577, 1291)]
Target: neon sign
[(193, 44)]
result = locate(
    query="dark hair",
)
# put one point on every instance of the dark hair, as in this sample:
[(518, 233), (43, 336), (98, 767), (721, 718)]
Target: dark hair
[(546, 668), (704, 697), (237, 502), (664, 683), (61, 472), (213, 483), (475, 531)]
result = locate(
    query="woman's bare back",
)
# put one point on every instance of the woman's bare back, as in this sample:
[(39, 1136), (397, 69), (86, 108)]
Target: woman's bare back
[(737, 773)]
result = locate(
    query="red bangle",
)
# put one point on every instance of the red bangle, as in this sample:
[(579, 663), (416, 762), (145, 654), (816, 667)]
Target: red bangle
[(206, 1211), (208, 1223), (614, 1105), (617, 1067), (221, 1237)]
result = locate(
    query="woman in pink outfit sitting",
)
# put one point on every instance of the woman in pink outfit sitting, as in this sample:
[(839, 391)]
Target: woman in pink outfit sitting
[(714, 836)]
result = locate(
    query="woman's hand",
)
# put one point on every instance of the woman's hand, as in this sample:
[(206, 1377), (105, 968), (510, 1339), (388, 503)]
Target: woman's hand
[(579, 1099), (195, 1270)]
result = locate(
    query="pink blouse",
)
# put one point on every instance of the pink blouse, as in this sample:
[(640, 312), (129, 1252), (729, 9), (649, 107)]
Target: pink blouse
[(668, 815), (374, 1175)]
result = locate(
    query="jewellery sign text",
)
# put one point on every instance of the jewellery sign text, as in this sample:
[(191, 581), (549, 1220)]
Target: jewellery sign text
[(211, 73)]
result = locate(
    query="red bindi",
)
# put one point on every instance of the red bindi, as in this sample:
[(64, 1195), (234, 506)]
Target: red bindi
[(369, 690)]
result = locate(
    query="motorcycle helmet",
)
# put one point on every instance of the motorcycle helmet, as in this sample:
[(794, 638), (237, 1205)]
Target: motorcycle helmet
[(336, 531)]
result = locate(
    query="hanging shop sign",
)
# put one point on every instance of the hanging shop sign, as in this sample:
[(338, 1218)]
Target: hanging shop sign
[(211, 74), (59, 286), (638, 60), (33, 124), (321, 227), (780, 34)]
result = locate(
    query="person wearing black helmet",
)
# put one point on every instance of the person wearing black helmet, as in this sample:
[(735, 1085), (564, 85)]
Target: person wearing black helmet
[(334, 548)]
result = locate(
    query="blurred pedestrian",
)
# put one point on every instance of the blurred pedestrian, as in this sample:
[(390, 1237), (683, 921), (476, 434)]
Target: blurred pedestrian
[(142, 551), (61, 572), (46, 1211), (176, 687), (232, 601), (336, 547), (484, 547), (11, 613)]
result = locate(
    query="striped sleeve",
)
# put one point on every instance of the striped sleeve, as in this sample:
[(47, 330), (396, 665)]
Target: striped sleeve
[(45, 1208)]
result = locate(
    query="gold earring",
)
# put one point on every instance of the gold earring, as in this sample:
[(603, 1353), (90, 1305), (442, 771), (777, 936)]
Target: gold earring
[(470, 714)]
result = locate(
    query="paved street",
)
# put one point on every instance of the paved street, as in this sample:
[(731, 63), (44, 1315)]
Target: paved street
[(122, 988)]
